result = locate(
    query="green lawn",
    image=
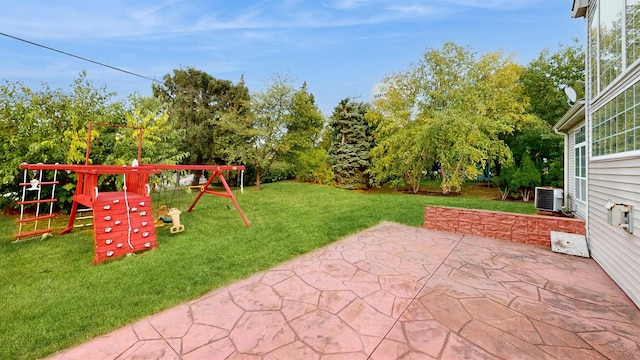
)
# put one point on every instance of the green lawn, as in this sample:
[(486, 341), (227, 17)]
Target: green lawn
[(52, 298)]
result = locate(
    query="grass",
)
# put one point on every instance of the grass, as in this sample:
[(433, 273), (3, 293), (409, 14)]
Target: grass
[(52, 298)]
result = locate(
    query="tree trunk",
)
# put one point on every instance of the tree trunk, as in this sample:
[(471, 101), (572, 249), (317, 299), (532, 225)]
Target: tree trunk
[(258, 178)]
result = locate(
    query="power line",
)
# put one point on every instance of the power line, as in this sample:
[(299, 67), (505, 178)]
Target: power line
[(79, 57)]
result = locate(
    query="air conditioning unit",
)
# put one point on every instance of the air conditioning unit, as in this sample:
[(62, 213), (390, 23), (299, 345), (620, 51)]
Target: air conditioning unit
[(548, 199)]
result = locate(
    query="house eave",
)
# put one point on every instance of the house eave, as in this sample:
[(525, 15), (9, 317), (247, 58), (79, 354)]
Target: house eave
[(579, 8), (572, 117)]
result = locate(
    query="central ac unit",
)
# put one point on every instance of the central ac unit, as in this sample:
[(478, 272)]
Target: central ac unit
[(548, 199)]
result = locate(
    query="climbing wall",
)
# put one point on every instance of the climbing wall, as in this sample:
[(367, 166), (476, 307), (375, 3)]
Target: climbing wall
[(122, 224)]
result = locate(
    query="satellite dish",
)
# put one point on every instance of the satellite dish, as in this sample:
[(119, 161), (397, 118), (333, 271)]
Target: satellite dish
[(571, 94)]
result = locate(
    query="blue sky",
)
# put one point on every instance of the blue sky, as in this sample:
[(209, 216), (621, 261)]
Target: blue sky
[(341, 48)]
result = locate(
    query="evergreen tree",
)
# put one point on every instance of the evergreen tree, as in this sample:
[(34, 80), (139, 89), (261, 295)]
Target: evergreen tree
[(351, 142)]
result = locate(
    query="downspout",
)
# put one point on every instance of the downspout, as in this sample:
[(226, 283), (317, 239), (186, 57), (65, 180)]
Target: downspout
[(565, 172)]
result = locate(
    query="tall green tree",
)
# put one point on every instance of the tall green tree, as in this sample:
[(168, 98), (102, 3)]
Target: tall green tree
[(303, 132), (351, 142), (450, 110), (286, 123), (544, 80), (212, 113)]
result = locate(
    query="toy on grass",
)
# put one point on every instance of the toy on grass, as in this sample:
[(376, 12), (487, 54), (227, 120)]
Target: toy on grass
[(169, 216)]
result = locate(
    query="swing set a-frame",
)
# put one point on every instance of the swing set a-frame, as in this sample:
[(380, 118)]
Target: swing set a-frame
[(123, 222)]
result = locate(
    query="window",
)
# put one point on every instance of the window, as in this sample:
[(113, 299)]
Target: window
[(616, 125), (580, 173)]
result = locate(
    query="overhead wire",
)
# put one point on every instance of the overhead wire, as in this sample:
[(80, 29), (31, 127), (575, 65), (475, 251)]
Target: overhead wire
[(153, 80), (78, 57)]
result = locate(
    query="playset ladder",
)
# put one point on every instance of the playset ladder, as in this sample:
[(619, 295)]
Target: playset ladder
[(35, 186)]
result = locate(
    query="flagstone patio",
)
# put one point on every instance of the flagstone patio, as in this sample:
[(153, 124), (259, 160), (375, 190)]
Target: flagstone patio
[(397, 292)]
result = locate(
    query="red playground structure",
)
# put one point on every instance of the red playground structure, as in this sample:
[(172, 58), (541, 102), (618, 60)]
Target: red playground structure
[(123, 222)]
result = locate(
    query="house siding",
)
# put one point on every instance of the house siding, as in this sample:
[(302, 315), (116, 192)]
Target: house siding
[(617, 251)]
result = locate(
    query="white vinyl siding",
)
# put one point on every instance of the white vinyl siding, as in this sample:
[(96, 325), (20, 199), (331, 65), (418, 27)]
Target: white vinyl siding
[(617, 251)]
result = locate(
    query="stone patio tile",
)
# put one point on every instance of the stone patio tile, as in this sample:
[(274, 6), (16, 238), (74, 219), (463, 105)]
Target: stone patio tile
[(221, 349), (555, 336), (458, 348), (500, 343), (145, 331), (217, 310), (339, 269), (150, 349), (362, 289), (346, 356), (572, 353), (390, 349), (199, 335), (451, 287), (326, 333), (363, 276), (108, 346), (554, 316), (474, 281), (400, 286), (365, 319), (446, 309), (523, 289), (261, 332), (295, 309), (427, 336), (612, 345), (587, 295), (382, 301), (273, 277), (174, 322), (335, 301), (323, 281), (257, 296), (295, 350), (501, 317), (295, 289), (586, 309)]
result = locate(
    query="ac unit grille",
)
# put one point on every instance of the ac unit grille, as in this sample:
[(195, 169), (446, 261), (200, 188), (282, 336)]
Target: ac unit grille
[(548, 199)]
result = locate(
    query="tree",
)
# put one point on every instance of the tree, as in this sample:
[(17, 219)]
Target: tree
[(351, 142), (450, 109), (284, 121), (525, 179), (213, 114), (49, 126), (545, 78), (303, 133), (543, 81)]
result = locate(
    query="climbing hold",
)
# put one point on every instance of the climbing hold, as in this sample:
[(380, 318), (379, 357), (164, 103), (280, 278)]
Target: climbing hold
[(141, 203), (143, 213), (118, 222), (108, 241), (119, 245), (144, 223), (108, 230), (145, 234), (110, 253), (107, 218), (134, 209), (106, 207)]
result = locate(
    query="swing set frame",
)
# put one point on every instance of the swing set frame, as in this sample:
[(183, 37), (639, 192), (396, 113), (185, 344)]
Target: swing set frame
[(137, 177)]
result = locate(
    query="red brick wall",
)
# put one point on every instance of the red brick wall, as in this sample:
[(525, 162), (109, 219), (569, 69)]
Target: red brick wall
[(529, 229)]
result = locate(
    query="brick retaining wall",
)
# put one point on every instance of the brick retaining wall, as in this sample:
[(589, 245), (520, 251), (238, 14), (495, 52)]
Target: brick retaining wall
[(529, 229)]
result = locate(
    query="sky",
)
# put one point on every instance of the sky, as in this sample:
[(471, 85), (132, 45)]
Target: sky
[(340, 48)]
